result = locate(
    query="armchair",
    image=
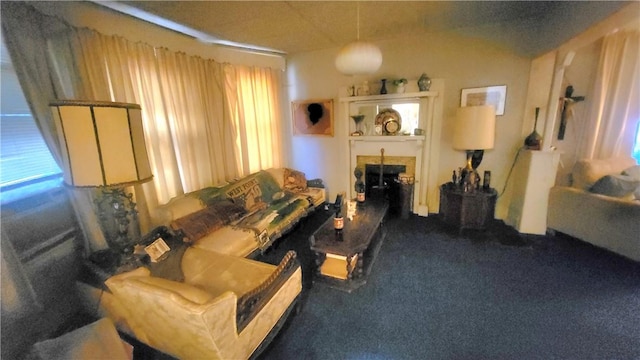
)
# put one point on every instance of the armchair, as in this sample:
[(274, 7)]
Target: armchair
[(227, 307)]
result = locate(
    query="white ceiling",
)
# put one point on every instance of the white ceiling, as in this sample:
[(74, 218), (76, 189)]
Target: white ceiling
[(528, 27)]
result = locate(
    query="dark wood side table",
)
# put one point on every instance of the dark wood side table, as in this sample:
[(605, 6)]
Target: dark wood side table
[(103, 264), (467, 210)]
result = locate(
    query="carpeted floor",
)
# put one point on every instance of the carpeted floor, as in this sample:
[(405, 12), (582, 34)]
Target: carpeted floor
[(436, 294)]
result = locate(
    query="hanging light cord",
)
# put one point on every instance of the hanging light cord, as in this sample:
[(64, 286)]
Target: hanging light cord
[(358, 21)]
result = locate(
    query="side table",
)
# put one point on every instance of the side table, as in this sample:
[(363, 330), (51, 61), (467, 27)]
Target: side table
[(467, 210), (103, 264)]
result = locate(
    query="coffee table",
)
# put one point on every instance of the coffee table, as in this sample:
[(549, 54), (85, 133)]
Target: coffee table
[(344, 258)]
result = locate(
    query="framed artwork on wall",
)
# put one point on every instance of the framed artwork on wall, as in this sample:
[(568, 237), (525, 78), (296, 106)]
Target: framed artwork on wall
[(312, 117), (490, 95)]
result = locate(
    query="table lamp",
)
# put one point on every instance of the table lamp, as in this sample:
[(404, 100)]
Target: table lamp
[(102, 146), (474, 132)]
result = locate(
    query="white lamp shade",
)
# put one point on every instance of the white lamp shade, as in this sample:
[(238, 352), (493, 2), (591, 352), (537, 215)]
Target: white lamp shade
[(475, 128), (102, 143), (359, 57)]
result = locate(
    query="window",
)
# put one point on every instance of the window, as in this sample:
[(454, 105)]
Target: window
[(26, 165), (636, 147)]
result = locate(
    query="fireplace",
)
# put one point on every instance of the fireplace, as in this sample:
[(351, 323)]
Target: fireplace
[(390, 184), (418, 153)]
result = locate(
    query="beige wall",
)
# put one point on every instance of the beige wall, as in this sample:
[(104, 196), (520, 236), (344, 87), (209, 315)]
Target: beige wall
[(461, 62)]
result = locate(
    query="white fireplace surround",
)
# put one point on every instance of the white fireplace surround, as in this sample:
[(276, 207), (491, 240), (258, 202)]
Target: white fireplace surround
[(424, 148)]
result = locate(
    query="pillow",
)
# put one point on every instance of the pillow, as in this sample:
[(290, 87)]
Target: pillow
[(585, 172), (615, 185), (182, 206), (203, 222), (98, 340), (189, 292), (633, 172), (294, 180)]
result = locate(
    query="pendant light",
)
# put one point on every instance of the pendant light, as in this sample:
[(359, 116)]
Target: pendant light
[(359, 57)]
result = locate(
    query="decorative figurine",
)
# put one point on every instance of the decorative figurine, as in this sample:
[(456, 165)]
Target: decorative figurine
[(364, 89), (359, 185)]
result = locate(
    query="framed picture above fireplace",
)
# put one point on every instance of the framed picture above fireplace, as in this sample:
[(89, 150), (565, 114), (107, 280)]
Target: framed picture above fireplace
[(312, 117)]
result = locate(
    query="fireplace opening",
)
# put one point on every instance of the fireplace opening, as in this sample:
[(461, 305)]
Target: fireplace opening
[(392, 190)]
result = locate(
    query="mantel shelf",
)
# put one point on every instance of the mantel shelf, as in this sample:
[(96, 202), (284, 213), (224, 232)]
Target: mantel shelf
[(390, 96), (388, 138)]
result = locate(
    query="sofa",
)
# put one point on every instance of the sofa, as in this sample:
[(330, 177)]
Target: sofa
[(206, 297), (601, 206), (244, 217), (223, 307)]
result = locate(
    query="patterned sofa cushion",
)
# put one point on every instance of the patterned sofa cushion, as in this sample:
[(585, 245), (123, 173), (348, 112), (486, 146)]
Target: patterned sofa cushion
[(271, 222), (253, 192), (294, 180), (200, 223)]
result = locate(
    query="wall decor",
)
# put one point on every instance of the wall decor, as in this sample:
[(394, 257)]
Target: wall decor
[(312, 117), (490, 95)]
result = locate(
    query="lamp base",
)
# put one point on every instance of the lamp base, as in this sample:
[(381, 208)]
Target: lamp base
[(469, 178), (117, 212)]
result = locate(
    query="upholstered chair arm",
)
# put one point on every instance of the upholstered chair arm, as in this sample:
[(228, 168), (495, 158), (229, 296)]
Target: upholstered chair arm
[(178, 318), (253, 301)]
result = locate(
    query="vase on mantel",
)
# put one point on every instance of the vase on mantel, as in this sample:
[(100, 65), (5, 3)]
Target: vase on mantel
[(383, 88), (359, 125), (424, 83)]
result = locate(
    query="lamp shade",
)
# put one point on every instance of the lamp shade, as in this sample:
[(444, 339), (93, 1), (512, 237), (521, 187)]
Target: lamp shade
[(359, 57), (475, 128), (102, 143)]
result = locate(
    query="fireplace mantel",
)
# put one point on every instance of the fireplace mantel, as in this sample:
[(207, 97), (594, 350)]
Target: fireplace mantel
[(390, 139), (424, 148)]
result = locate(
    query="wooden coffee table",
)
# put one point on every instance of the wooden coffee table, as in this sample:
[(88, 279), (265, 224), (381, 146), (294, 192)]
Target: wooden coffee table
[(344, 259)]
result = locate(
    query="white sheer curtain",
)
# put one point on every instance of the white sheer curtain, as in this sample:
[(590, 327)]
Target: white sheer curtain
[(254, 97), (200, 123), (204, 122), (615, 108)]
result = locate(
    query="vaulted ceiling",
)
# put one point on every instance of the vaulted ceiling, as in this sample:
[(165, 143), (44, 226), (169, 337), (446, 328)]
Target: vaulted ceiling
[(527, 27)]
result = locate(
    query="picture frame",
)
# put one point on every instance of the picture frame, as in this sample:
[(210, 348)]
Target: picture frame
[(312, 117), (489, 95)]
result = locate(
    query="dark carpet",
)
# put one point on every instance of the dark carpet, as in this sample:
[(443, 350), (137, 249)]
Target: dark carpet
[(494, 294)]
